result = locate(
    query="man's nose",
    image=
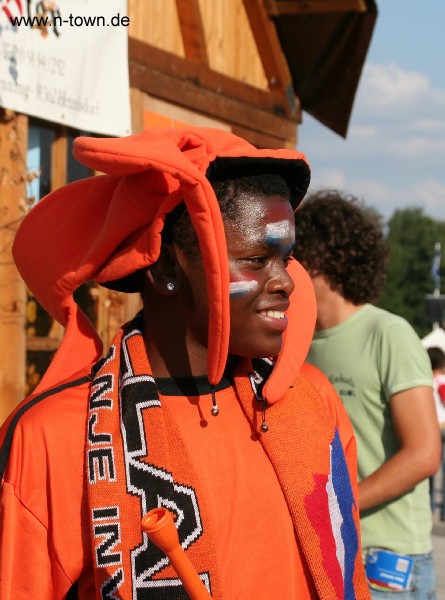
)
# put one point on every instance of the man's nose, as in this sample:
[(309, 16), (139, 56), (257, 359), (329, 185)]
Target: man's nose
[(280, 281)]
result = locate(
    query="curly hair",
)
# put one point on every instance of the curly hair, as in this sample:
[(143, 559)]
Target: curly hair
[(338, 237)]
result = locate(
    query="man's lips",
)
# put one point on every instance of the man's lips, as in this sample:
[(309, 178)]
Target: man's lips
[(274, 317), (274, 314)]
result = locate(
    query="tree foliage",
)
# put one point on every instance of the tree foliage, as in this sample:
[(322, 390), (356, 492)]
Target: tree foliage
[(411, 237)]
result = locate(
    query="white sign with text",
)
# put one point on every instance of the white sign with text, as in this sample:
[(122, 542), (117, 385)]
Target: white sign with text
[(67, 62)]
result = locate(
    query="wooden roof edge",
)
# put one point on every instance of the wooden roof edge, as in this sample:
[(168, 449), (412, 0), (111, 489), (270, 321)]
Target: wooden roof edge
[(293, 7)]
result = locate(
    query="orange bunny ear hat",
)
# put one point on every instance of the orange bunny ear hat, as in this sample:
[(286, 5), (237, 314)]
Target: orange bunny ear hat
[(106, 227)]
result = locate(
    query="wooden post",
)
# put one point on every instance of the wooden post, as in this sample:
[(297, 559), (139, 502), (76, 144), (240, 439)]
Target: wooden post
[(59, 177), (13, 149)]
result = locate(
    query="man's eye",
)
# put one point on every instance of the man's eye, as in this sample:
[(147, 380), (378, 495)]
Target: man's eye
[(288, 259), (258, 260)]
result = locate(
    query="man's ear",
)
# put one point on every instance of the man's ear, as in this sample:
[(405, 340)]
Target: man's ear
[(163, 274)]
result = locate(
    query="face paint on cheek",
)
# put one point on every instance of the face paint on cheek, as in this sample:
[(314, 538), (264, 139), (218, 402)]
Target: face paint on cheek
[(237, 288)]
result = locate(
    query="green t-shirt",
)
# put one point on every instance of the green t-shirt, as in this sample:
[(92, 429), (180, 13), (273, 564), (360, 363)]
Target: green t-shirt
[(369, 357)]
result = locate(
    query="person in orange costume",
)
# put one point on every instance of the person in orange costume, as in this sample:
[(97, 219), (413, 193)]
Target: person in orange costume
[(203, 403)]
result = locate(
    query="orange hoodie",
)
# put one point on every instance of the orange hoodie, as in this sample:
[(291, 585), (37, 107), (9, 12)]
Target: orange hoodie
[(105, 228)]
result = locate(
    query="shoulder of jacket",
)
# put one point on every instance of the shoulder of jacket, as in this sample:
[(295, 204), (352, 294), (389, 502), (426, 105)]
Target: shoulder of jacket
[(43, 409), (315, 377), (311, 382)]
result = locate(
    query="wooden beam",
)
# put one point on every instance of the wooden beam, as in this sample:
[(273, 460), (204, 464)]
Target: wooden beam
[(202, 76), (42, 344), (270, 51), (13, 178), (207, 102), (59, 157), (262, 140), (192, 30), (295, 7), (137, 110), (195, 87)]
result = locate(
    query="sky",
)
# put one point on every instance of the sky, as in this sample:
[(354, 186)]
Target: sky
[(394, 154)]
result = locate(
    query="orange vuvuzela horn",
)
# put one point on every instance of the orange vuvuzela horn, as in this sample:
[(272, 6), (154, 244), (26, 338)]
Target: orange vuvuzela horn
[(159, 525)]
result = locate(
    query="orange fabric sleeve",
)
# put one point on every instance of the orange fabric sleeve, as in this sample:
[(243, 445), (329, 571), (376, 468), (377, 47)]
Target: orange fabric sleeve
[(28, 568), (44, 526)]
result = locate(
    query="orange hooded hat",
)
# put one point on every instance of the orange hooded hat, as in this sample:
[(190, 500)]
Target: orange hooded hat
[(106, 227)]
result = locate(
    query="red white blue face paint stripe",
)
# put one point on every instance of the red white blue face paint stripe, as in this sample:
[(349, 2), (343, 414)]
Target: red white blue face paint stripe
[(237, 288), (278, 232)]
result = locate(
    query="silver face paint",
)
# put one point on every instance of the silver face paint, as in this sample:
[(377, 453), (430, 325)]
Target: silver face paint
[(242, 287)]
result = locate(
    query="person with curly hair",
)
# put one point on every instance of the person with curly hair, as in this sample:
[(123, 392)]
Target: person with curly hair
[(381, 371)]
